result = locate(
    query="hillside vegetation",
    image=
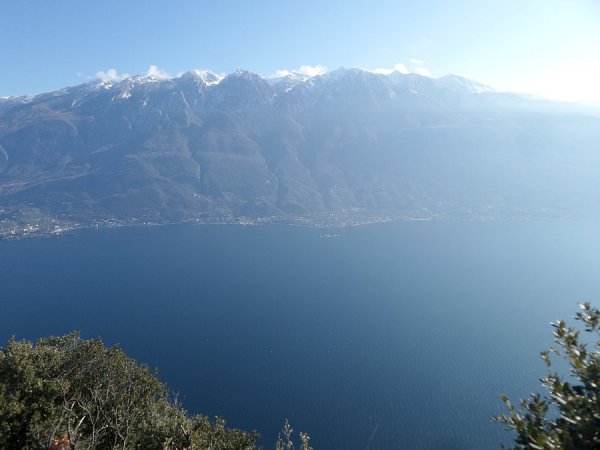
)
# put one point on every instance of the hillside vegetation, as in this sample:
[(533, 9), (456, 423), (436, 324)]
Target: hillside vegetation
[(71, 393), (567, 417)]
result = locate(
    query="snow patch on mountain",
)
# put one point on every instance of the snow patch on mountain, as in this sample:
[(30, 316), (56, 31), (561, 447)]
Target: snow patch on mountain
[(289, 81), (305, 70), (111, 75), (206, 76), (457, 82)]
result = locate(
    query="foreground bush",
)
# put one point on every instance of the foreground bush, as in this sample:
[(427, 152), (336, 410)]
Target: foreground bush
[(568, 416), (66, 392)]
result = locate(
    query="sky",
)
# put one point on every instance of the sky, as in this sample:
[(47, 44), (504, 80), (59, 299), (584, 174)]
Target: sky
[(548, 48)]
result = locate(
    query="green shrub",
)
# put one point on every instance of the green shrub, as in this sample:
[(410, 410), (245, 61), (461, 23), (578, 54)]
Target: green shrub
[(567, 417), (67, 392)]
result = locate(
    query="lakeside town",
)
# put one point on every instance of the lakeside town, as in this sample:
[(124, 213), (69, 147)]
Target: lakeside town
[(22, 223)]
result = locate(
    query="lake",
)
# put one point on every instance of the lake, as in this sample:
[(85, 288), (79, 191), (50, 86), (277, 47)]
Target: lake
[(394, 335)]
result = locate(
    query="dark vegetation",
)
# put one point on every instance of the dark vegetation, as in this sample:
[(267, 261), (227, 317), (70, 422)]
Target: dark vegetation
[(567, 417), (71, 393)]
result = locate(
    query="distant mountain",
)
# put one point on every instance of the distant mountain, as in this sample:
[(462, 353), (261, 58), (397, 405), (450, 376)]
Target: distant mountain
[(347, 145)]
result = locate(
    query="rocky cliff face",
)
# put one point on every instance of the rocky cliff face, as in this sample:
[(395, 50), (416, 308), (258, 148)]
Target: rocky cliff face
[(351, 142)]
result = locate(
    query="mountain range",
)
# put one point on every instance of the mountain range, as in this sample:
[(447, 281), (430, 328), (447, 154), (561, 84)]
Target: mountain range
[(344, 147)]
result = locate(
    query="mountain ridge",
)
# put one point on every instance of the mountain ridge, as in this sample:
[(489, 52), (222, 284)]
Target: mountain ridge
[(343, 147)]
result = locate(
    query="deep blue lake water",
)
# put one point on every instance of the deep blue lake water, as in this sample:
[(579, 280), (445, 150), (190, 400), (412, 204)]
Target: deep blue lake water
[(396, 335)]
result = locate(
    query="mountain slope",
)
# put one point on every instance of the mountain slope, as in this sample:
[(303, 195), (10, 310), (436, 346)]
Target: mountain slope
[(347, 144)]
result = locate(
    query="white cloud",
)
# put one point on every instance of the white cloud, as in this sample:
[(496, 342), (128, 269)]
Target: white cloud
[(280, 73), (414, 67), (422, 71), (111, 75), (571, 79), (312, 71), (155, 72), (386, 71), (309, 71)]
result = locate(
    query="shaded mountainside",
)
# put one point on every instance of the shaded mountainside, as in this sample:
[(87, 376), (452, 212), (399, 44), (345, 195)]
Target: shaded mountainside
[(350, 143)]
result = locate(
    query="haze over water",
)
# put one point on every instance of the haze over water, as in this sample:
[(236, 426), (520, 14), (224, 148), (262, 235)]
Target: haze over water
[(380, 336)]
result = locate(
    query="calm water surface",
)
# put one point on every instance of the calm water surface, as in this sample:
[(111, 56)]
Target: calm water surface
[(397, 335)]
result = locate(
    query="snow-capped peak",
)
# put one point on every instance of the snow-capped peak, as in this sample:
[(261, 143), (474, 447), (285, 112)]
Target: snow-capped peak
[(241, 73), (352, 72), (206, 76), (290, 79), (457, 82)]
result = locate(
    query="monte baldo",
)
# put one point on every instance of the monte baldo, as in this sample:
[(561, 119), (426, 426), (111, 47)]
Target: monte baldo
[(349, 146)]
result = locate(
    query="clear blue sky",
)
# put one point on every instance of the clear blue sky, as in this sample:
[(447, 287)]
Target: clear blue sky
[(547, 47)]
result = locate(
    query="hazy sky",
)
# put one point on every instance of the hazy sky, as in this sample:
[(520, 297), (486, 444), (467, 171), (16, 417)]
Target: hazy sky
[(546, 47)]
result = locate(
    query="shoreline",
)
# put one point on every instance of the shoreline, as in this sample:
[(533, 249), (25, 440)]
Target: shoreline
[(325, 221)]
